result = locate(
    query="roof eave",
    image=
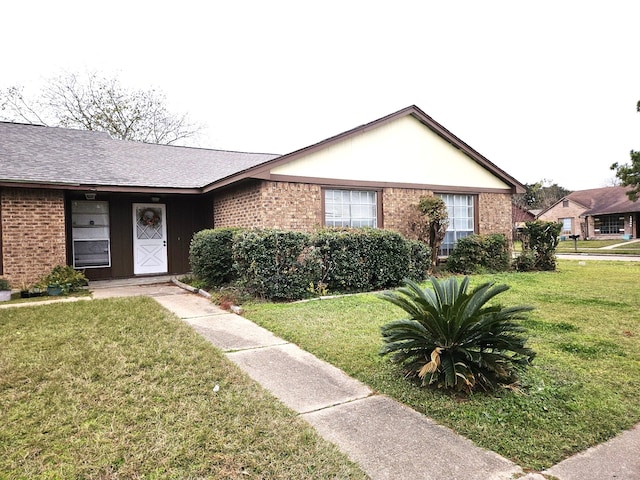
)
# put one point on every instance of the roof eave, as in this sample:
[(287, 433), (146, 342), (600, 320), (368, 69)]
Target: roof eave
[(98, 188)]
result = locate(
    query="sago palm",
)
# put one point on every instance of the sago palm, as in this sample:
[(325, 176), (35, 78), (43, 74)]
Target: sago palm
[(454, 338)]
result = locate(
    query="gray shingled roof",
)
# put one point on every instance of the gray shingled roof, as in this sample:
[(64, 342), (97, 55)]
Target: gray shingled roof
[(50, 155), (601, 201)]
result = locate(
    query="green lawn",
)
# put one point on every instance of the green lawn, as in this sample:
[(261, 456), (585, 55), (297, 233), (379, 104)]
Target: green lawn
[(595, 246), (582, 389), (122, 389)]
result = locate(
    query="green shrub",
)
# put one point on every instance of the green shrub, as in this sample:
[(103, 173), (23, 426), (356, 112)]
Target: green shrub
[(541, 240), (453, 339), (428, 221), (4, 284), (279, 265), (479, 253), (497, 256), (65, 277), (283, 265), (344, 256), (364, 259), (525, 262), (211, 256), (419, 260), (389, 257), (467, 255)]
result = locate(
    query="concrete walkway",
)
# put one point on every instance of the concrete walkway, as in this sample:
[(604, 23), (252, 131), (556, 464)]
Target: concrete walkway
[(603, 253), (622, 244), (387, 439)]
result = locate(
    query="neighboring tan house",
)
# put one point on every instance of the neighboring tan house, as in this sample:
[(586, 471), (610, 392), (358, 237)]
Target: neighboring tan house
[(118, 209), (599, 213), (520, 216)]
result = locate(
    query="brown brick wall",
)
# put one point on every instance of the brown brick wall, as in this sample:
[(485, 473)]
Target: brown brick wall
[(238, 207), (291, 206), (396, 202), (298, 206), (33, 233), (494, 214), (572, 210)]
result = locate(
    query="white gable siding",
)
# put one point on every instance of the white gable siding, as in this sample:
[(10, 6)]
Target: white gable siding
[(402, 151)]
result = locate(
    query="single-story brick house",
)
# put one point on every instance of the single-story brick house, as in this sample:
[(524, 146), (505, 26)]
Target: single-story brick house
[(598, 213), (119, 209)]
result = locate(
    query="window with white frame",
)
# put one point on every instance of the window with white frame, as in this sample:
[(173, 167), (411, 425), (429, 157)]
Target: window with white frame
[(91, 234), (567, 225), (461, 219), (350, 208)]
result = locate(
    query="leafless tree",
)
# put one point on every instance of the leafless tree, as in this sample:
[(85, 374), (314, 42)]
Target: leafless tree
[(93, 102)]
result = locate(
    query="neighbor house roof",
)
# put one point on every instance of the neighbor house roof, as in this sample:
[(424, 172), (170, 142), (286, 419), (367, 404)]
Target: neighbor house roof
[(35, 154), (601, 201)]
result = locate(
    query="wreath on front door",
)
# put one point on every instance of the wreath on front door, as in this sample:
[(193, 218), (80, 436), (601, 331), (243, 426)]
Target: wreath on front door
[(149, 217)]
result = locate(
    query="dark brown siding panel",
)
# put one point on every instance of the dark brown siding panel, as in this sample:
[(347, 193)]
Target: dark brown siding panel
[(121, 234), (121, 237), (185, 216)]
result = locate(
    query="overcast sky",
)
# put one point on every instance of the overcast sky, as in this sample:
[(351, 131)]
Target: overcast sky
[(545, 89)]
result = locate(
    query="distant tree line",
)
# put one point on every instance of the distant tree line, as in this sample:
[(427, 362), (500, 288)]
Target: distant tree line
[(540, 195)]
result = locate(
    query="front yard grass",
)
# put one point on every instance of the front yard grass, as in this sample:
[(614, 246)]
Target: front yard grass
[(623, 247), (122, 389), (581, 390)]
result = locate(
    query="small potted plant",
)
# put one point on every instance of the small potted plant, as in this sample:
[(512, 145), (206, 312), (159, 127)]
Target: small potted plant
[(54, 289), (5, 290), (64, 279)]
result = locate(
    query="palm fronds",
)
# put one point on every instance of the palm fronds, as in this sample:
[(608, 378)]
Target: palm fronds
[(454, 338)]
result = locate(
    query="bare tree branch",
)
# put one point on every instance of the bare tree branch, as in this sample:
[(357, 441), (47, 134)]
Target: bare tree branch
[(98, 103), (14, 107)]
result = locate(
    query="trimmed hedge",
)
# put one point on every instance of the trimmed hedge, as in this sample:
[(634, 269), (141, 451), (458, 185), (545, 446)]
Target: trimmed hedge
[(274, 264), (210, 256), (367, 259), (286, 265), (419, 260), (497, 253), (479, 253)]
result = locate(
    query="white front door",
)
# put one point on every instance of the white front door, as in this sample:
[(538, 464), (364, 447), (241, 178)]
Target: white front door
[(149, 238)]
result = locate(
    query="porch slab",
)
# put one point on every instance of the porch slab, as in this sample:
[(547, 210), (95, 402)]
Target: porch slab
[(232, 332), (134, 290), (301, 381), (402, 443)]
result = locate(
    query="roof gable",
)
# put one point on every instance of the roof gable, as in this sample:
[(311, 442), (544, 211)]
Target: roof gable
[(402, 151), (391, 149)]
